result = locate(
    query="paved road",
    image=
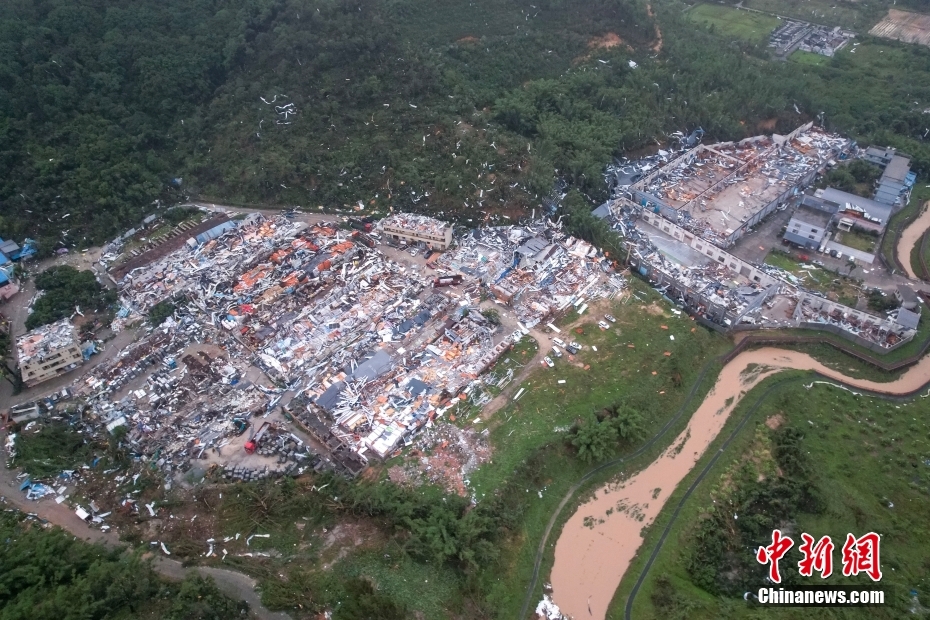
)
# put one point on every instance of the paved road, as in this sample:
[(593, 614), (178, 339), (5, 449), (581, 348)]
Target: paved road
[(233, 584), (755, 246)]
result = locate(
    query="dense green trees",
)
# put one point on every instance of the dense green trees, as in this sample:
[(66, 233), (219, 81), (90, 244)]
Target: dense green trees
[(161, 311), (47, 574), (857, 177), (597, 437), (64, 288), (106, 107), (594, 440), (761, 504), (365, 603)]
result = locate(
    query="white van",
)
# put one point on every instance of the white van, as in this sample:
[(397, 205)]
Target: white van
[(558, 342)]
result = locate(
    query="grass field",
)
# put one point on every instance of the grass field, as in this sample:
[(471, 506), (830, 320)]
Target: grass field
[(817, 279), (808, 58), (871, 474), (733, 22), (857, 240), (857, 15), (534, 428)]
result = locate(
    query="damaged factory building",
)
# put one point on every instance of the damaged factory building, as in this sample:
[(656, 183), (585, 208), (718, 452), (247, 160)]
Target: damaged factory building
[(679, 220), (718, 192)]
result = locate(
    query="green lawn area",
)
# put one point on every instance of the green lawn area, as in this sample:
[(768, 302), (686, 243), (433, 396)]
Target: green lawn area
[(847, 14), (857, 240), (808, 58), (816, 278), (870, 472), (733, 22)]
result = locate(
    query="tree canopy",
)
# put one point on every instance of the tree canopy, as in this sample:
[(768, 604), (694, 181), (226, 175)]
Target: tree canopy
[(107, 107), (47, 574), (65, 288)]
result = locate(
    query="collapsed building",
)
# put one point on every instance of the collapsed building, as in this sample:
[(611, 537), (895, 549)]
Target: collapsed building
[(729, 293), (412, 228), (536, 269), (360, 351), (719, 192), (807, 37)]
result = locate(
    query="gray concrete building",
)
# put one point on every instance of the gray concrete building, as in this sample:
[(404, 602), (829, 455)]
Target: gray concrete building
[(893, 182), (808, 226)]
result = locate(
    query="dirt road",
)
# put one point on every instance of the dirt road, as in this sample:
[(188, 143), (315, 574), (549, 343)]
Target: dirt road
[(232, 584), (591, 561)]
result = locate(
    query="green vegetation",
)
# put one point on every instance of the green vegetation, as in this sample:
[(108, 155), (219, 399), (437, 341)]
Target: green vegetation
[(841, 288), (881, 303), (732, 22), (857, 177), (580, 223), (900, 220), (64, 288), (174, 217), (161, 311), (365, 603), (827, 463), (920, 257), (596, 436), (160, 99), (47, 574), (492, 315), (808, 58), (772, 488), (861, 15), (52, 448), (858, 240)]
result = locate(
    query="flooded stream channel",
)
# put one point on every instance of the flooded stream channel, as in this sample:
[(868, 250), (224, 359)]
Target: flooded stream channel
[(601, 538)]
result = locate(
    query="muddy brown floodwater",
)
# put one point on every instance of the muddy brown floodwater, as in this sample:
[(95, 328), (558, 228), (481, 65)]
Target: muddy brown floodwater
[(909, 238), (599, 541)]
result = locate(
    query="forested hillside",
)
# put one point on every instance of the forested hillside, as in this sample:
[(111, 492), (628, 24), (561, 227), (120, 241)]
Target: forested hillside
[(448, 107)]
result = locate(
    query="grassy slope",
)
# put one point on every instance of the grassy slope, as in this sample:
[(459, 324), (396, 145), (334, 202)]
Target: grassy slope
[(535, 426), (808, 58), (868, 453), (733, 22)]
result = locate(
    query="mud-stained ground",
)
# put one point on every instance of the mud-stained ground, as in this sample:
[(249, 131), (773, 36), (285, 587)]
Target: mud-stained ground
[(444, 455)]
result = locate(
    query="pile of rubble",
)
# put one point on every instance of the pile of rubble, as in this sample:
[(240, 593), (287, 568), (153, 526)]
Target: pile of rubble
[(727, 291), (536, 269)]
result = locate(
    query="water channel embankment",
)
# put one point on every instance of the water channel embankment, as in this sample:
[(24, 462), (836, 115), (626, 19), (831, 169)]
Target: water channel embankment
[(600, 539)]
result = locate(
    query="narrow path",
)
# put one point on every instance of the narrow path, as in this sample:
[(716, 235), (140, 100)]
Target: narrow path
[(590, 562), (233, 584), (910, 236)]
